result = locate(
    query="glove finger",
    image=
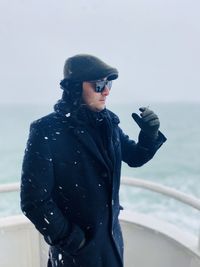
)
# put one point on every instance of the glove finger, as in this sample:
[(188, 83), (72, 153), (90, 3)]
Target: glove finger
[(146, 112), (155, 122), (142, 109), (136, 118), (150, 117)]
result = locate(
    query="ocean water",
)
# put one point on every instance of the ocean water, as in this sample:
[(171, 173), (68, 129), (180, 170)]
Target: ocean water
[(176, 164)]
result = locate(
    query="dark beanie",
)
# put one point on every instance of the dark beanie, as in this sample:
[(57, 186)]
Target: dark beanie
[(84, 67)]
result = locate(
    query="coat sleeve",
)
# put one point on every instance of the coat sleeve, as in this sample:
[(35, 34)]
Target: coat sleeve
[(37, 185), (137, 154)]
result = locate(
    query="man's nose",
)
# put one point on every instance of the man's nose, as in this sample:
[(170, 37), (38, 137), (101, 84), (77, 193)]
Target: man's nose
[(106, 91)]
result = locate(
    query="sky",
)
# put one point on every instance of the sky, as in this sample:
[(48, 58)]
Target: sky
[(154, 44)]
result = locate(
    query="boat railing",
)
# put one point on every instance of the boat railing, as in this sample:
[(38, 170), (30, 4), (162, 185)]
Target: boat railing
[(134, 182)]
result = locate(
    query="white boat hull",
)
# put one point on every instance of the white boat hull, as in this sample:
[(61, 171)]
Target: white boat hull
[(148, 243)]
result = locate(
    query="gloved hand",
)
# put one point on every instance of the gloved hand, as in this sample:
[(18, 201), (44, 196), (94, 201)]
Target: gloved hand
[(148, 122)]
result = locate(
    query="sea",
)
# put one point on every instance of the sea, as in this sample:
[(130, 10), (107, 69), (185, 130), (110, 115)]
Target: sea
[(176, 164)]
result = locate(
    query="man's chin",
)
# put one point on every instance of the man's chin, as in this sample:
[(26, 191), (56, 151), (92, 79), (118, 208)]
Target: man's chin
[(97, 108), (101, 108)]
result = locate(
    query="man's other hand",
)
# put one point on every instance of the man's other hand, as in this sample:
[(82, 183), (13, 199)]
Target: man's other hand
[(148, 121)]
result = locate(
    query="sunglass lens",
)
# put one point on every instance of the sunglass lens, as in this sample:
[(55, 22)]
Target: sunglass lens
[(101, 85), (109, 84)]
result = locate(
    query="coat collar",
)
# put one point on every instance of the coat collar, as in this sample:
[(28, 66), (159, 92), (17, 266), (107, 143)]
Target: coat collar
[(80, 131)]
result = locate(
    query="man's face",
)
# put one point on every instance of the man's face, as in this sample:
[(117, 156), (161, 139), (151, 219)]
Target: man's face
[(94, 101)]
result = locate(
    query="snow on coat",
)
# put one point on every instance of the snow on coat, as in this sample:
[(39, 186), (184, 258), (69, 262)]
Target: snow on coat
[(69, 191)]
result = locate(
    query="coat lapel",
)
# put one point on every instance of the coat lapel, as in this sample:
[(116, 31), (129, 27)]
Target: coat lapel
[(89, 143), (85, 138)]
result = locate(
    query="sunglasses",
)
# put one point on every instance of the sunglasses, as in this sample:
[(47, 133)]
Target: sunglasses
[(99, 86)]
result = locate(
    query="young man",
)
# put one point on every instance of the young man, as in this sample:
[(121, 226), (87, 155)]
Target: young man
[(71, 168)]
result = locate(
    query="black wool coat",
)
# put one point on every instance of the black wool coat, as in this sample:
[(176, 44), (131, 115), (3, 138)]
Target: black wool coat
[(70, 191)]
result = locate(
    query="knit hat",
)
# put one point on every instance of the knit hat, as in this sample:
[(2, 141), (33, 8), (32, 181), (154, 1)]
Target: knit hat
[(84, 67)]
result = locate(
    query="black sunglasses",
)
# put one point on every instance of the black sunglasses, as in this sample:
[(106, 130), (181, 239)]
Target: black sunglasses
[(99, 86)]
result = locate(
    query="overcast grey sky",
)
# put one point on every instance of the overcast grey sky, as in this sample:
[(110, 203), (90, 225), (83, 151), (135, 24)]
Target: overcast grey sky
[(155, 44)]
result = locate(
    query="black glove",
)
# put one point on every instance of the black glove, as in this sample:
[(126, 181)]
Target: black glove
[(148, 122)]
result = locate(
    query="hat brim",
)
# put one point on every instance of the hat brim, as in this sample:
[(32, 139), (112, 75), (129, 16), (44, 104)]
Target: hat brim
[(112, 76)]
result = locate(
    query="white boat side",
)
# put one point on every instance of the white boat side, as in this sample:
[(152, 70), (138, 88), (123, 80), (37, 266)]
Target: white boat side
[(148, 242)]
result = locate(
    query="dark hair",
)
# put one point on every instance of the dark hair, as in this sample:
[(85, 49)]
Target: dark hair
[(72, 93)]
